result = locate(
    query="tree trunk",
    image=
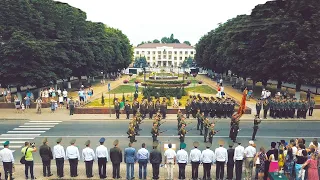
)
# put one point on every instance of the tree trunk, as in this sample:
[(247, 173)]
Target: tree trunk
[(279, 85), (55, 84), (80, 81), (19, 95), (264, 83), (298, 88), (254, 82), (69, 83)]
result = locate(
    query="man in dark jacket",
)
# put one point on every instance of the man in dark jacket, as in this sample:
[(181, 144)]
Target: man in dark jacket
[(46, 156), (116, 159), (155, 160), (230, 164)]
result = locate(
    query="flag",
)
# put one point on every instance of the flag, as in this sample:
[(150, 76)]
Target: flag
[(242, 105)]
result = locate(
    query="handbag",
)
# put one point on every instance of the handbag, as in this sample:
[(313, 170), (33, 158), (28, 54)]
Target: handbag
[(23, 158)]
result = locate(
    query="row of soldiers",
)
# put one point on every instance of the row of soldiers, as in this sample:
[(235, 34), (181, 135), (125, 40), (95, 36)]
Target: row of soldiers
[(284, 108), (147, 106), (210, 106), (203, 124)]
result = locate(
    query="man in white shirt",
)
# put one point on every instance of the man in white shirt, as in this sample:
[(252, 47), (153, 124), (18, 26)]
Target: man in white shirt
[(221, 159), (250, 153), (182, 159), (65, 94), (73, 155), (88, 157), (263, 94), (238, 158), (7, 159), (59, 155), (195, 157), (170, 160), (207, 159), (143, 157), (103, 157), (268, 94)]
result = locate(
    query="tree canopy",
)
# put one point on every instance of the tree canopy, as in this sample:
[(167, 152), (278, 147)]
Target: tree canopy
[(43, 41), (140, 62), (165, 40), (279, 40)]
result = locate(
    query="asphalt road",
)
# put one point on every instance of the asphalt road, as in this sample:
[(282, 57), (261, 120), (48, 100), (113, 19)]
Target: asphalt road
[(19, 131)]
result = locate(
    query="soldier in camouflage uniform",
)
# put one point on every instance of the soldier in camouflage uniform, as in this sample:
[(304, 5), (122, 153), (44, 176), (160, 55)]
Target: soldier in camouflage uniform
[(188, 108), (151, 108), (265, 108)]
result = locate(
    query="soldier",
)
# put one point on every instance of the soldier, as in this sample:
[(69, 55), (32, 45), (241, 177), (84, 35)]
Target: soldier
[(213, 107), (286, 108), (312, 104), (131, 133), (151, 108), (206, 125), (46, 156), (201, 105), (116, 159), (59, 155), (179, 115), (299, 109), (201, 122), (159, 115), (187, 108), (265, 108), (135, 106), (103, 157), (225, 108), (234, 127), (292, 108), (271, 107), (198, 116), (194, 107), (280, 108), (127, 108), (305, 107), (138, 117), (207, 159), (219, 108), (230, 163), (258, 107), (73, 155), (163, 108), (155, 132), (143, 108), (155, 160), (195, 157), (71, 105), (256, 123), (88, 157), (212, 132), (158, 105), (182, 122), (117, 108), (182, 133)]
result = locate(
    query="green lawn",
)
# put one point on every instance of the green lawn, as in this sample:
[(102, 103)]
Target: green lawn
[(125, 89), (201, 89)]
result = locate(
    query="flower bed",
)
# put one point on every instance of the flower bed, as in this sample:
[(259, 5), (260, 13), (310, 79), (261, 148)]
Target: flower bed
[(163, 85), (125, 81)]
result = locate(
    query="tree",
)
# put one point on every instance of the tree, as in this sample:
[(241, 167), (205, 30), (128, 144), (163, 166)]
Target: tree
[(187, 63), (140, 62), (187, 42), (156, 41)]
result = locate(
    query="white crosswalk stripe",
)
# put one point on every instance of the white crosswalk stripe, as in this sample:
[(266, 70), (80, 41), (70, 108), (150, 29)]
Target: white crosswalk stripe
[(26, 132)]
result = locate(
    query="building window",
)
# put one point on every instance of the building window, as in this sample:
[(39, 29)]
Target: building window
[(153, 52), (175, 52), (180, 52), (159, 52), (154, 58), (137, 52), (170, 52), (191, 52), (148, 52), (148, 58), (164, 57), (185, 58), (170, 56), (164, 52), (180, 58), (186, 52), (159, 56), (175, 58)]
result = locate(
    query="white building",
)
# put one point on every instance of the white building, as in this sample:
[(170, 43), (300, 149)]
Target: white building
[(164, 55)]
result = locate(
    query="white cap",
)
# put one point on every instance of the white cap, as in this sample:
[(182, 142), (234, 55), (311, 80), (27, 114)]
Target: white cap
[(251, 142)]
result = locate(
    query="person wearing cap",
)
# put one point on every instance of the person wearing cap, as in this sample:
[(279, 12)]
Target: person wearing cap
[(117, 108), (195, 157), (256, 123), (238, 159), (71, 106), (127, 108), (230, 164), (155, 160), (46, 156), (221, 159), (27, 151), (102, 156), (249, 153), (170, 159), (59, 155), (130, 159), (143, 158), (258, 107), (155, 132), (207, 158), (7, 159), (212, 132), (182, 159), (88, 157), (73, 155), (116, 159), (182, 133)]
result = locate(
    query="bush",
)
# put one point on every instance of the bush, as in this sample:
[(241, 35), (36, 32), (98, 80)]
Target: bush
[(162, 85), (199, 82), (123, 98), (140, 73), (125, 81), (102, 100), (163, 92), (164, 82)]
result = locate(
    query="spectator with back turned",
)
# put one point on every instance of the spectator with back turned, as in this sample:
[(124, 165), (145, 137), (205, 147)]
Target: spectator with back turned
[(116, 159), (46, 156)]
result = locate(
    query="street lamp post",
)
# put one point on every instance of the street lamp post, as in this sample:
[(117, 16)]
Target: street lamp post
[(194, 83)]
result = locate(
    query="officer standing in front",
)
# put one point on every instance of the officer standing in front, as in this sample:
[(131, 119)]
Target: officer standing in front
[(155, 160), (102, 156), (116, 159), (46, 156), (71, 105), (155, 132), (117, 108), (88, 157), (207, 158), (73, 155), (265, 108), (182, 160), (7, 159), (230, 164), (195, 155), (221, 159), (127, 108), (59, 155), (256, 123)]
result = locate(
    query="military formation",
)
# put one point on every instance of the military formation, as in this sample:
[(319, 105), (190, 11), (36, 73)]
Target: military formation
[(284, 107)]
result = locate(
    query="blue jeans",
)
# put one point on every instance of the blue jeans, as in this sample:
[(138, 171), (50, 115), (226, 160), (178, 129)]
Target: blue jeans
[(143, 164), (130, 171)]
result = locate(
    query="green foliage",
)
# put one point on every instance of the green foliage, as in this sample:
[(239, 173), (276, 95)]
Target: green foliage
[(163, 92), (187, 42), (202, 89), (124, 89), (279, 41), (140, 62), (136, 95), (187, 63), (165, 82), (102, 99), (43, 41)]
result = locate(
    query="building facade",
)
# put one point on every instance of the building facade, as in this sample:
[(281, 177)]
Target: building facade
[(164, 55)]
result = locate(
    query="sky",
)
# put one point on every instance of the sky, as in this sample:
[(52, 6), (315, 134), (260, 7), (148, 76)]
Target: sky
[(144, 20)]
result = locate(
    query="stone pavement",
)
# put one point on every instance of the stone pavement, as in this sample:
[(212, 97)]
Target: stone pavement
[(19, 171), (63, 115)]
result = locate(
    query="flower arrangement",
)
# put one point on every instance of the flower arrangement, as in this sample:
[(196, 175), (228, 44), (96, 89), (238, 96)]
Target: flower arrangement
[(188, 82), (200, 82), (125, 81)]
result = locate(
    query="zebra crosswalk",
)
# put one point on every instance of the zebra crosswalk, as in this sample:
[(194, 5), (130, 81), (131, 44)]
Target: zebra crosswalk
[(26, 132)]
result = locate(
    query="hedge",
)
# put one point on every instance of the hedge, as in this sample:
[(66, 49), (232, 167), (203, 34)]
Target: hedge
[(162, 85), (165, 82), (164, 92)]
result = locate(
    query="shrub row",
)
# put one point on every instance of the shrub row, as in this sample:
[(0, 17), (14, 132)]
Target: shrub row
[(162, 85), (164, 92), (165, 82)]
